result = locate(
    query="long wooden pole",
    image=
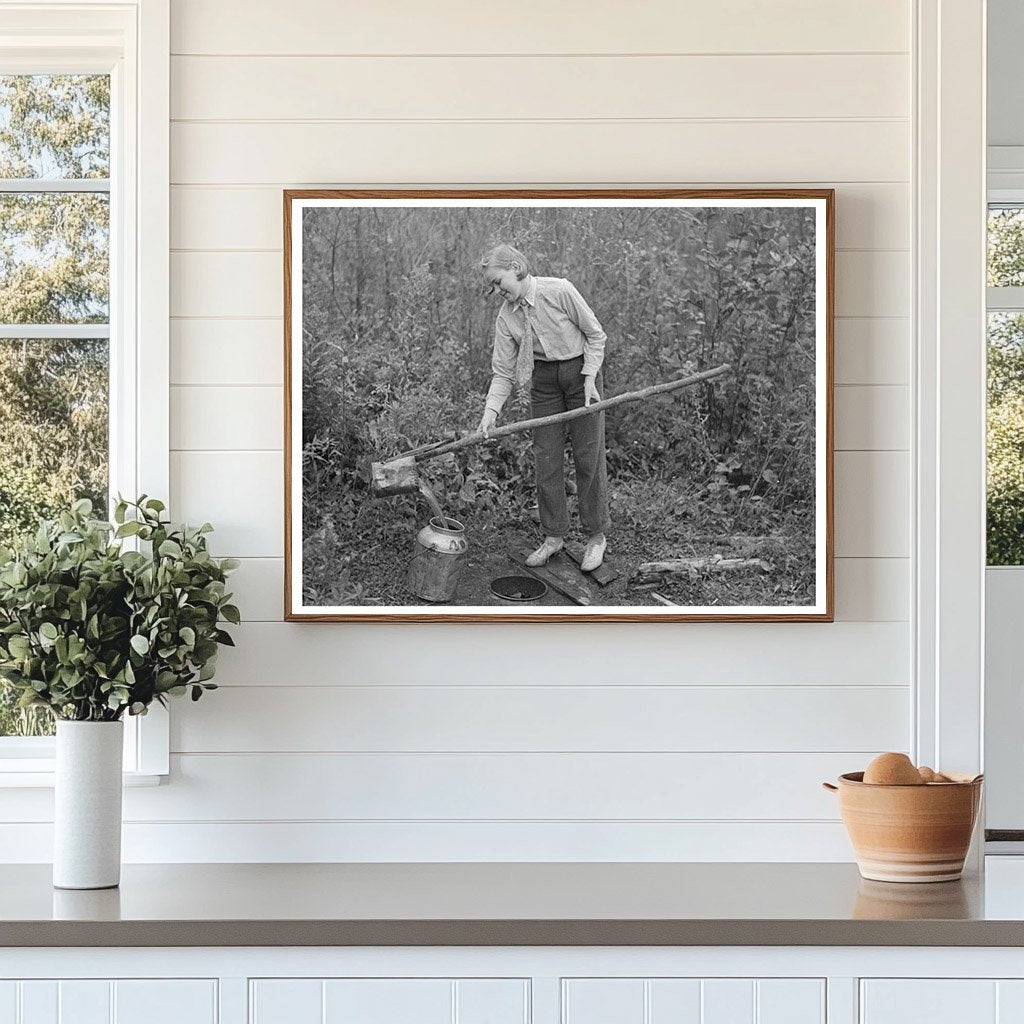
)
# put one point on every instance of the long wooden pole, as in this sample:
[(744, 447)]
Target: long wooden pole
[(432, 451)]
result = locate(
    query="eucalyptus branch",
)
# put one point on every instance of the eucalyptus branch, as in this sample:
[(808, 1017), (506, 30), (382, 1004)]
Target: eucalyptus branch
[(91, 630)]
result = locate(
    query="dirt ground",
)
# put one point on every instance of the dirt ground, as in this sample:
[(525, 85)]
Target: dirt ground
[(383, 573)]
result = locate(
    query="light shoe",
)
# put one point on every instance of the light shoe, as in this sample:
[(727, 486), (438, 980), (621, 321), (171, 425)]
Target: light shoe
[(551, 546), (593, 556)]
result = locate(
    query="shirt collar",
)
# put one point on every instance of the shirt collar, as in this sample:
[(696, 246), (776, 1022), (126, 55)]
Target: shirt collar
[(530, 296)]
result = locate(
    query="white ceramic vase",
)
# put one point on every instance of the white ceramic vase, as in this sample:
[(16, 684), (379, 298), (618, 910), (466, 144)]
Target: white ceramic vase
[(87, 806)]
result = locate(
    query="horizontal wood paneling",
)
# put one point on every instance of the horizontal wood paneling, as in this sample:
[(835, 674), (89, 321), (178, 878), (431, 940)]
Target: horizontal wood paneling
[(233, 284), (227, 352), (258, 586), (731, 152), (869, 350), (661, 26), (872, 350), (241, 493), (872, 589), (872, 502), (750, 654), (872, 418), (230, 284), (868, 216), (368, 88), (867, 589), (212, 418), (237, 418), (258, 787), (553, 718), (735, 93), (873, 283), (158, 842)]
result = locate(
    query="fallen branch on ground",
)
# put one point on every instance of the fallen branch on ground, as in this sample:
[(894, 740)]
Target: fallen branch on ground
[(708, 563)]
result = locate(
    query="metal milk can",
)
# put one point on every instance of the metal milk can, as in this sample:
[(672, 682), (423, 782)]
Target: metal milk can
[(438, 555)]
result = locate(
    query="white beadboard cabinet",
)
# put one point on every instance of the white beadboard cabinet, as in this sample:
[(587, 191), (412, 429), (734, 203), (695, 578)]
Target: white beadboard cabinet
[(942, 1001), (108, 1001), (696, 1000), (513, 985), (389, 1001)]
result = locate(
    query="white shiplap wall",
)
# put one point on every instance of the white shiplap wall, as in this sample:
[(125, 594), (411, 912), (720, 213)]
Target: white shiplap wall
[(614, 741)]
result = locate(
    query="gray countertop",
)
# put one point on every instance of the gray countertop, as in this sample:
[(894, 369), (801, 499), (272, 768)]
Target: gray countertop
[(508, 904), (485, 904)]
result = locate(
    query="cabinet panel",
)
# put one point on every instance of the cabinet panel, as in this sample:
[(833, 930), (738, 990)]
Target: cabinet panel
[(492, 1001), (1009, 1002), (84, 1002), (928, 1001), (728, 1001), (165, 1002), (790, 1001), (38, 1002), (102, 1001), (8, 1002), (389, 1001), (674, 1000), (603, 1001), (693, 1001), (283, 1001)]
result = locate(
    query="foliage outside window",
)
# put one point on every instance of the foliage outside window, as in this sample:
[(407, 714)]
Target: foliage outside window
[(54, 308), (1005, 485)]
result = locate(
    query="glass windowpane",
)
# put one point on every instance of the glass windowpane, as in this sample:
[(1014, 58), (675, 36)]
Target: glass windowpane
[(1005, 479), (54, 258), (1005, 246), (54, 269), (53, 449), (54, 126)]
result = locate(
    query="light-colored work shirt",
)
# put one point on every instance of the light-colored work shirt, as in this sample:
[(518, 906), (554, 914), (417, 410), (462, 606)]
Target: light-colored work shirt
[(559, 325)]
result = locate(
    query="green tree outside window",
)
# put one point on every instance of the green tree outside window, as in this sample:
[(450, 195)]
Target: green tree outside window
[(1005, 482), (54, 307)]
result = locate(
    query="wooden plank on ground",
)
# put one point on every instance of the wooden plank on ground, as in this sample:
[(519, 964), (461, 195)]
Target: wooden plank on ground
[(709, 563), (556, 574), (602, 575)]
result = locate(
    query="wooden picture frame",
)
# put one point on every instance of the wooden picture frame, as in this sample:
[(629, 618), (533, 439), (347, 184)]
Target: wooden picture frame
[(753, 266)]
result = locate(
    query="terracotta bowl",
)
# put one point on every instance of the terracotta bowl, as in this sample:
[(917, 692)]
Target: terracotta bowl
[(909, 833)]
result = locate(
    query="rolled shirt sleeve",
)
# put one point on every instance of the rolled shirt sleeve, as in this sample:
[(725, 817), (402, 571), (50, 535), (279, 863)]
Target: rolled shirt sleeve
[(503, 366), (594, 337)]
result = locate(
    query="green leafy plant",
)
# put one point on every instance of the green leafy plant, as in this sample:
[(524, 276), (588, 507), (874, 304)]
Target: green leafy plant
[(91, 630)]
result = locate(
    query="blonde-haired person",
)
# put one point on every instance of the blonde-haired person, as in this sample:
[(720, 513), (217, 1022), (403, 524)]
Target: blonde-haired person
[(547, 338)]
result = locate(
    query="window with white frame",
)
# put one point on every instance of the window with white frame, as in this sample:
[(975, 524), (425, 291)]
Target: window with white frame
[(1005, 304), (84, 126)]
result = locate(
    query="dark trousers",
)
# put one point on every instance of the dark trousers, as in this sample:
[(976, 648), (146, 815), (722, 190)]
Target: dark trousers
[(558, 387)]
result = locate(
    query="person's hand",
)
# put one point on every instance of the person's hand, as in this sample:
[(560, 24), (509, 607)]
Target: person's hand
[(590, 391), (487, 421)]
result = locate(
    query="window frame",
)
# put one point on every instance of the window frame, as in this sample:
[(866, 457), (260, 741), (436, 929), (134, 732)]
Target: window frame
[(1002, 714), (130, 41)]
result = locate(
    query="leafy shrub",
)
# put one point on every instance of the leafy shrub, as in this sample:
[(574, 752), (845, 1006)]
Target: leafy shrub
[(90, 630)]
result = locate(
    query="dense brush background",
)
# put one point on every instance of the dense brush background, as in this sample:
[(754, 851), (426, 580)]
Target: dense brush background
[(396, 352)]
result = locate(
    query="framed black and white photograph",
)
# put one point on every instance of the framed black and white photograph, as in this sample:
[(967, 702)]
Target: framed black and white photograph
[(558, 405)]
